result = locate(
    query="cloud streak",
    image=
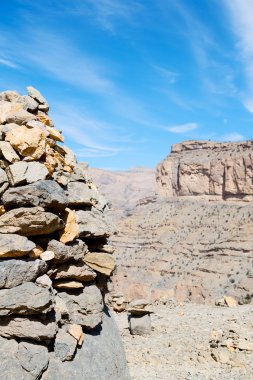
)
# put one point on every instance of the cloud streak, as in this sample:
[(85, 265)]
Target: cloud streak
[(182, 128), (8, 63)]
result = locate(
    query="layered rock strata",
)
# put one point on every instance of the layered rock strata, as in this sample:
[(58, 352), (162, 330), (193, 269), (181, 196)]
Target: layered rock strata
[(209, 170), (54, 256)]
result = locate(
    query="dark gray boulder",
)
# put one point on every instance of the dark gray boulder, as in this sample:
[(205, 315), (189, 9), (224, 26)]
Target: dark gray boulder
[(101, 357), (41, 193), (16, 272)]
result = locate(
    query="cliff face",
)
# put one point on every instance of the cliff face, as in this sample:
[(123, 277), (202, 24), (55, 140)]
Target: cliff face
[(54, 255), (209, 170)]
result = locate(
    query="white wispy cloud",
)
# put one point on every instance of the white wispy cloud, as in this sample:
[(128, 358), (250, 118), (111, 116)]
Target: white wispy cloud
[(241, 15), (182, 128), (7, 62), (169, 75), (232, 137), (107, 12)]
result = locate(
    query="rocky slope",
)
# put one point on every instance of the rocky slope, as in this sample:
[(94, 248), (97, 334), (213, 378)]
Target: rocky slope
[(190, 342), (125, 189), (54, 255), (208, 169), (185, 245)]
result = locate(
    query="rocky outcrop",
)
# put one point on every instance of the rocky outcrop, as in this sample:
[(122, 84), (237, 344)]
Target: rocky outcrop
[(53, 274), (209, 170)]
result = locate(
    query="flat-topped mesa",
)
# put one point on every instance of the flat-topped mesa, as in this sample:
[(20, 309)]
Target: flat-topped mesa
[(54, 264), (211, 170)]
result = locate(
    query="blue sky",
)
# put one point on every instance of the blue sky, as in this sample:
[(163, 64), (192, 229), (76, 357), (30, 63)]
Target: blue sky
[(127, 78)]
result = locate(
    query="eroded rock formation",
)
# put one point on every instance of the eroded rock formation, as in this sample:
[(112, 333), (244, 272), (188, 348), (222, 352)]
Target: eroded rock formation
[(54, 256), (208, 169)]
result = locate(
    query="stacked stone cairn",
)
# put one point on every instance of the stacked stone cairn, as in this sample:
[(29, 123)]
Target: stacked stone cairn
[(54, 255), (139, 317)]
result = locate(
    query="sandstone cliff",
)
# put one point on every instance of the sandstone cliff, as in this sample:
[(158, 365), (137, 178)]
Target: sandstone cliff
[(54, 254), (209, 170)]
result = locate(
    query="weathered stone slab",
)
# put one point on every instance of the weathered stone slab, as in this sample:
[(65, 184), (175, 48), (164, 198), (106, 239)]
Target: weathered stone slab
[(33, 358), (16, 272), (41, 193), (100, 261), (84, 308), (77, 271), (3, 177), (23, 172), (8, 152), (27, 142), (80, 194), (27, 327), (25, 299), (75, 250), (64, 346), (12, 245), (30, 221), (68, 284), (35, 94), (92, 223), (71, 228), (10, 368), (13, 112)]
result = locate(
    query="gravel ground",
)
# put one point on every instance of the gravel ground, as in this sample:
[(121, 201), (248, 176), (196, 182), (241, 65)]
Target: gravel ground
[(179, 344)]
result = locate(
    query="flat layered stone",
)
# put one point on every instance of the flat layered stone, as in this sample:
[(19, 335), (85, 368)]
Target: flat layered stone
[(27, 328), (27, 142), (77, 271), (101, 262), (21, 173), (12, 245), (35, 94), (92, 223), (8, 152), (66, 284), (30, 221), (84, 308), (25, 299), (75, 250), (16, 272), (44, 193), (79, 194)]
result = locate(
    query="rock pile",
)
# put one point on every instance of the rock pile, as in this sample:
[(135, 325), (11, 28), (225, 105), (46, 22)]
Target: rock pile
[(54, 256), (139, 317), (231, 346)]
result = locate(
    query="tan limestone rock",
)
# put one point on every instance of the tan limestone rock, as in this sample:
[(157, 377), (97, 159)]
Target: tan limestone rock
[(28, 142), (55, 134), (47, 255), (64, 284), (230, 301), (8, 152), (36, 252), (101, 262), (77, 332), (71, 229), (77, 271), (2, 210)]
